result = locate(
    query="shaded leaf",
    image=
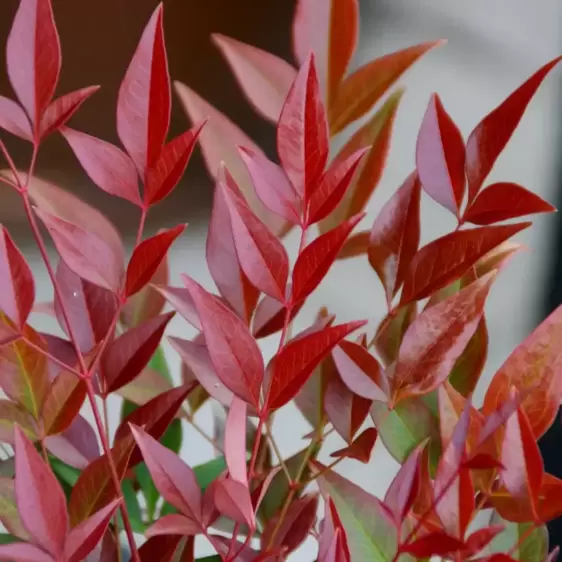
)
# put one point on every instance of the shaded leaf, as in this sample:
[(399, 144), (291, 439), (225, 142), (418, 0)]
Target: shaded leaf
[(361, 447), (12, 414)]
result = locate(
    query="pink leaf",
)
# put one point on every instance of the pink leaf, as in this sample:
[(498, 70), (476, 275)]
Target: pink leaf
[(85, 253), (292, 366), (62, 109), (264, 78), (231, 498), (181, 301), (24, 552), (17, 289), (39, 497), (106, 165), (33, 57), (233, 351), (167, 171), (84, 537), (302, 132), (440, 157), (14, 120), (262, 256), (147, 257), (235, 441), (173, 524), (316, 259), (143, 107), (129, 354)]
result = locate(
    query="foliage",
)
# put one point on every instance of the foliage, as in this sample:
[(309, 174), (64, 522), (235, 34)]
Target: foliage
[(409, 385)]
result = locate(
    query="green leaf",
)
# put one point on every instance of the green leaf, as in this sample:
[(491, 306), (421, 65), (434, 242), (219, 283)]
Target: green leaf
[(534, 547), (65, 473), (206, 473), (133, 508), (160, 365), (148, 489), (173, 437), (8, 539), (213, 558)]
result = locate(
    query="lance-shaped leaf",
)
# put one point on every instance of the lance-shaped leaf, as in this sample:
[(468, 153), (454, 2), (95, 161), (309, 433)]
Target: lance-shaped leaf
[(234, 353), (219, 140), (235, 441), (360, 448), (316, 259), (173, 524), (262, 256), (437, 543), (490, 136), (523, 465), (332, 542), (62, 109), (40, 499), (145, 387), (85, 253), (436, 339), (167, 171), (12, 414), (534, 369), (293, 365), (329, 30), (360, 371), (143, 106), (84, 537), (181, 301), (502, 201), (89, 309), (17, 289), (33, 57), (24, 552), (272, 185), (8, 509), (395, 236), (106, 165), (264, 78), (129, 354), (360, 91), (371, 534), (345, 410), (173, 478), (147, 257), (440, 157), (448, 258), (23, 372), (14, 120), (63, 402), (232, 499), (302, 132), (375, 135), (391, 330)]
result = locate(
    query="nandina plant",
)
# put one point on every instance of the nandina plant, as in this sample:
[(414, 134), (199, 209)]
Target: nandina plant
[(471, 483)]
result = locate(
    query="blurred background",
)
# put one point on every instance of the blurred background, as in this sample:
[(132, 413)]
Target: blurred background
[(492, 48)]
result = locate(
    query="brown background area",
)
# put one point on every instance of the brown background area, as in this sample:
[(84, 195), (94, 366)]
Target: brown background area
[(98, 39)]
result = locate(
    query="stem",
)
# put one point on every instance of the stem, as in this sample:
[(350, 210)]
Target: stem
[(332, 465), (142, 220), (275, 447)]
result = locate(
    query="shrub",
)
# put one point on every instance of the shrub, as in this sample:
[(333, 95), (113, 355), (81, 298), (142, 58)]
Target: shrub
[(414, 376)]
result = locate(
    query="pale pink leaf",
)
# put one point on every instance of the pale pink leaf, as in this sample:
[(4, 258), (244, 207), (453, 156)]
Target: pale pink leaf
[(14, 120)]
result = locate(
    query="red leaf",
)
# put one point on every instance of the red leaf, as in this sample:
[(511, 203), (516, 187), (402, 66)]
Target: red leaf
[(333, 186), (360, 371), (433, 544), (483, 461), (62, 109), (292, 366), (534, 370), (521, 457), (231, 498), (143, 107), (173, 478), (14, 120), (85, 253), (129, 354), (448, 258), (106, 165), (272, 185), (302, 132), (316, 259), (260, 253), (490, 136), (33, 57), (395, 236), (297, 522), (167, 171), (440, 157), (235, 441), (329, 30), (233, 351), (147, 257), (361, 447), (264, 78), (332, 541), (24, 552), (17, 289), (360, 91), (436, 339), (39, 497), (502, 201), (85, 536), (480, 539), (89, 308)]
